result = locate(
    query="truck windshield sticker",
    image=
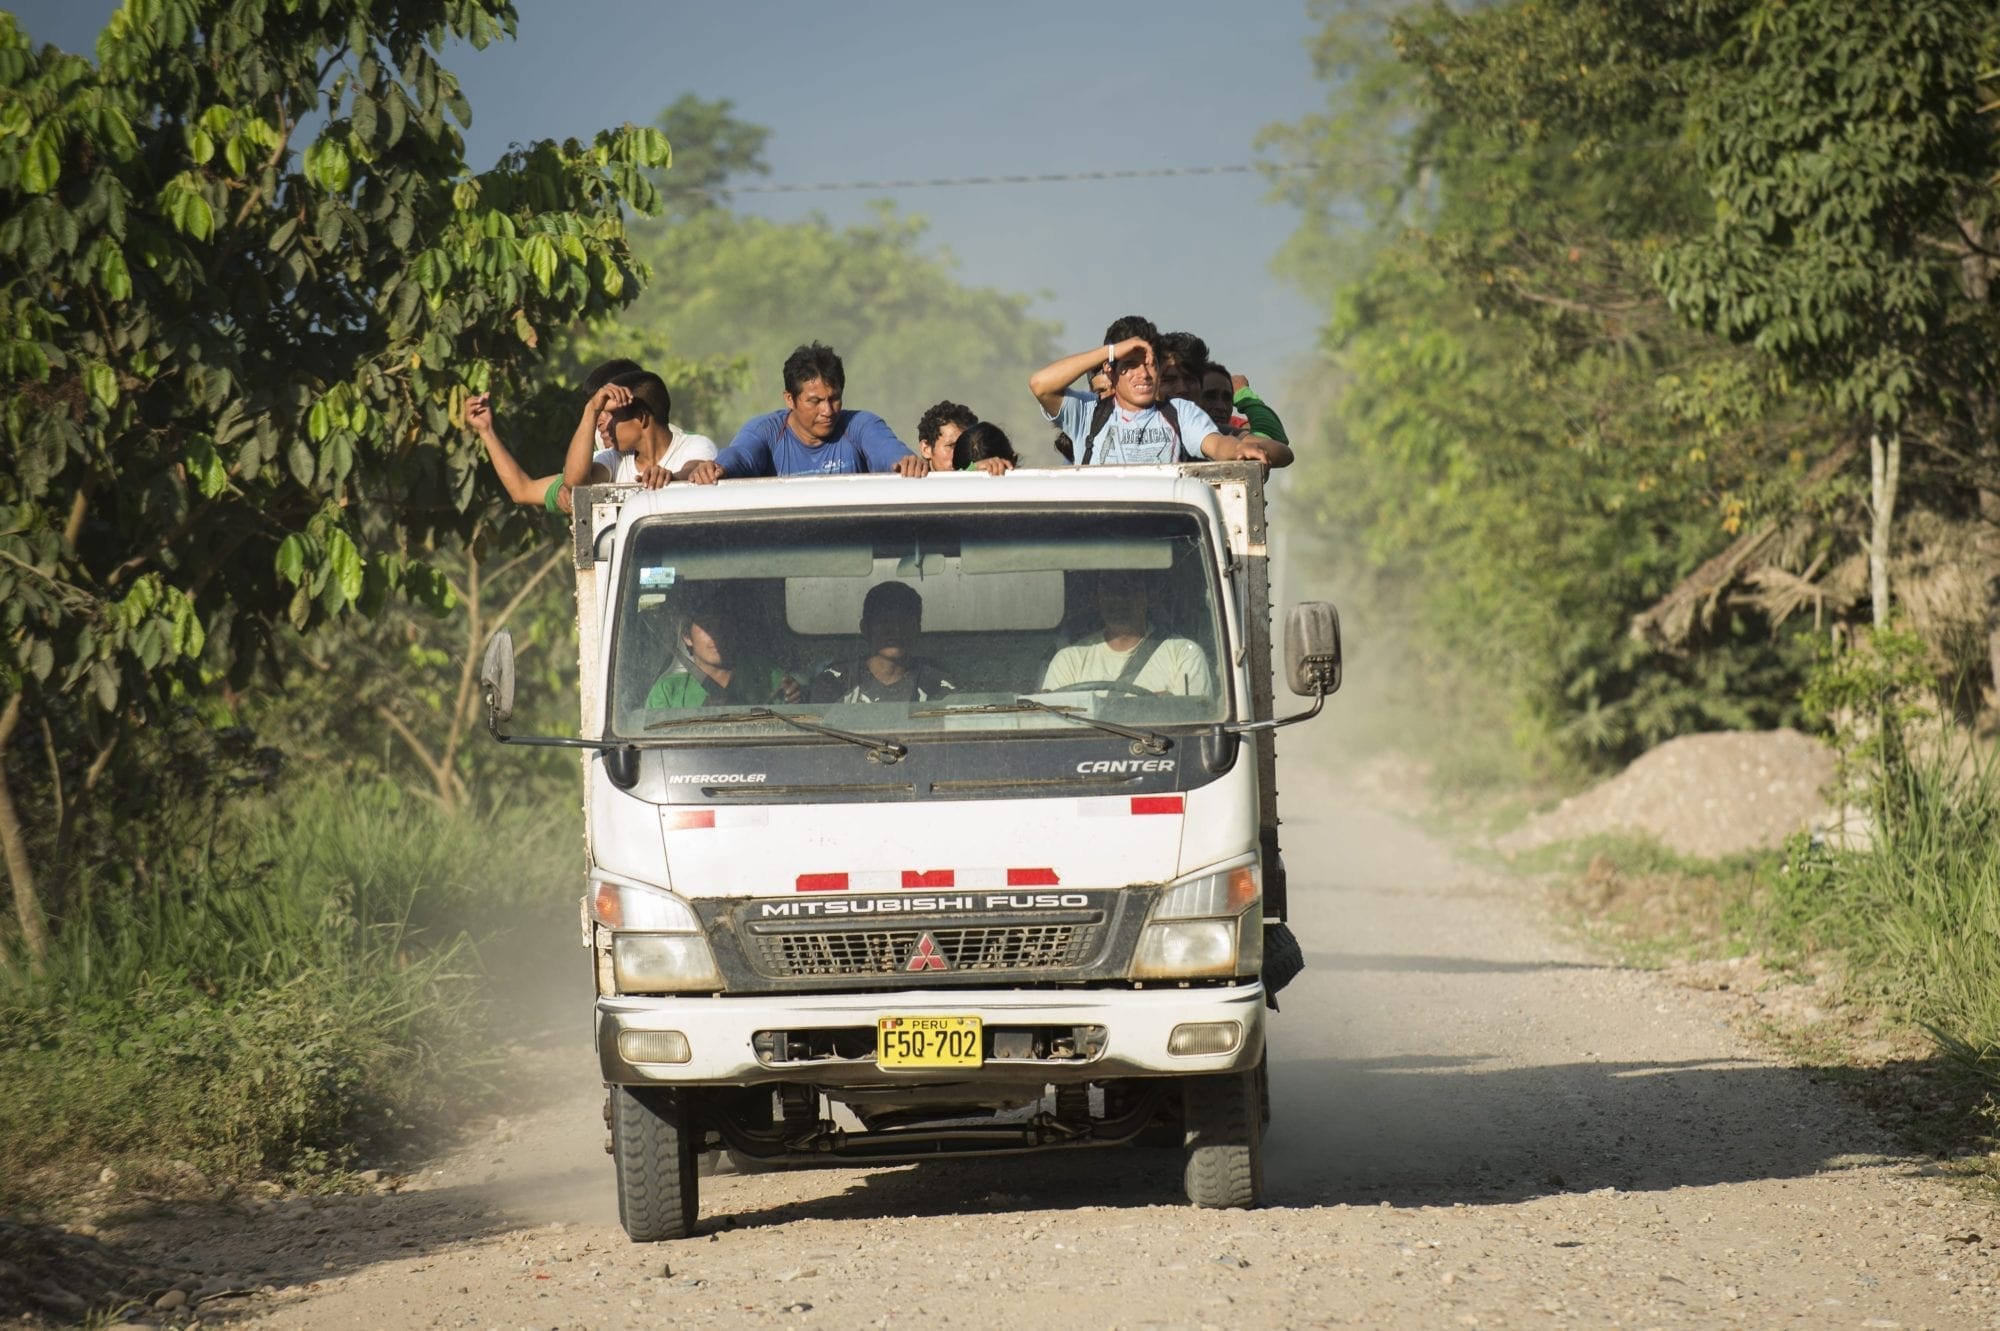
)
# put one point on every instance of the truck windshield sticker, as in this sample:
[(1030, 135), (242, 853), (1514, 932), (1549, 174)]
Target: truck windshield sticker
[(657, 576)]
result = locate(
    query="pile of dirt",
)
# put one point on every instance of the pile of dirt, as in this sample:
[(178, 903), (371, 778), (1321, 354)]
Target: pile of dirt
[(1702, 795)]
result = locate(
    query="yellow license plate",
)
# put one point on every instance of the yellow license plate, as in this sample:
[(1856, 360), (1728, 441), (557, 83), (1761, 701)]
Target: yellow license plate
[(927, 1042)]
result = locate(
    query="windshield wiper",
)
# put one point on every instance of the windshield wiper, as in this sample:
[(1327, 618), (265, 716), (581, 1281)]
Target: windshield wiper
[(1146, 741), (882, 750)]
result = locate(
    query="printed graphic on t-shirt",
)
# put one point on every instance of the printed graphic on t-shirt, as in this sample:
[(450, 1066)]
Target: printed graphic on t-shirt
[(1134, 437)]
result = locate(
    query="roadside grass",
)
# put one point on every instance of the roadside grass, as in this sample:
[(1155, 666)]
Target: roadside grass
[(1649, 906), (1877, 965), (300, 1001)]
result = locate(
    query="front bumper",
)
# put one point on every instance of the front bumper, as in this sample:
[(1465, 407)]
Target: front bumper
[(1136, 1024)]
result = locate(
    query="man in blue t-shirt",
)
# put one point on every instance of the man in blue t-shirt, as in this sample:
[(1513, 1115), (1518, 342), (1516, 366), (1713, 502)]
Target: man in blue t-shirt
[(1133, 430), (812, 436)]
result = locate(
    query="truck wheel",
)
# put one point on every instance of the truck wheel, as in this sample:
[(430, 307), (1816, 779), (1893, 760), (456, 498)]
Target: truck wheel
[(1225, 1140), (653, 1148)]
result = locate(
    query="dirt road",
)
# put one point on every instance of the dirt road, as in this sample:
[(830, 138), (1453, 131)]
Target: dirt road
[(1475, 1125)]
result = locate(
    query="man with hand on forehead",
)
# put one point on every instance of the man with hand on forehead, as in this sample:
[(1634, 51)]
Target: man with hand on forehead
[(641, 446), (812, 436), (1135, 424)]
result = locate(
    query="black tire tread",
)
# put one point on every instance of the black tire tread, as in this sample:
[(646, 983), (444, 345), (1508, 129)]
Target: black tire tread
[(1225, 1140), (652, 1148)]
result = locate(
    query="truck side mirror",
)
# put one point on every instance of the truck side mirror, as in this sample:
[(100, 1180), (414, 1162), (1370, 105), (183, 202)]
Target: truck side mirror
[(1312, 649), (496, 677)]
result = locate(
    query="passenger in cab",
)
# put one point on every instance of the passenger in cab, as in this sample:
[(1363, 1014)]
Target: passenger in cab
[(892, 621), (549, 492), (643, 447), (1130, 654), (1133, 425), (812, 436), (938, 431), (712, 666), (986, 447)]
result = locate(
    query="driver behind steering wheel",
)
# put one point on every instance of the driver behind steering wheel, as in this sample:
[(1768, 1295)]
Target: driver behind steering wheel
[(1129, 651)]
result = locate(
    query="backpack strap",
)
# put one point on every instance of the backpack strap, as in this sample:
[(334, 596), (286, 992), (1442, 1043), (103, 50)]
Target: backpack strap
[(1099, 414)]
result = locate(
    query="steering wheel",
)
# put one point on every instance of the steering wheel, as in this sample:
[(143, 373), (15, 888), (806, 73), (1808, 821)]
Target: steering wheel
[(1116, 685)]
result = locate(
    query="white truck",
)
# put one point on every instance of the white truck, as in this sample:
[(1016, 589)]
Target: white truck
[(995, 904)]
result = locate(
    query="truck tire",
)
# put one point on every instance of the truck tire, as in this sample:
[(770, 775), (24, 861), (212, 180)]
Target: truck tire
[(1225, 1140), (653, 1149)]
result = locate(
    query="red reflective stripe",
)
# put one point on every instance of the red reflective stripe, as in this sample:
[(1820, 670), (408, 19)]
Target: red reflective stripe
[(1156, 804), (685, 819), (928, 878), (822, 882), (1033, 878)]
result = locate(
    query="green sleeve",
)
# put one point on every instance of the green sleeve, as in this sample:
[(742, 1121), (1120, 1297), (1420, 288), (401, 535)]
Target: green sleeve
[(1262, 419), (552, 497), (677, 688)]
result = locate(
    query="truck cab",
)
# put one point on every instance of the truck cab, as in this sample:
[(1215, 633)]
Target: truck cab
[(1012, 897)]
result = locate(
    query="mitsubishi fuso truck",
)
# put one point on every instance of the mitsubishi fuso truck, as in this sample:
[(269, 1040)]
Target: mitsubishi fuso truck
[(930, 816)]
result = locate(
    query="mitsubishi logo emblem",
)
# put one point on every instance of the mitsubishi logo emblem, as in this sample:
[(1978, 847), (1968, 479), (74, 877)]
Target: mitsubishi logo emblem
[(926, 957)]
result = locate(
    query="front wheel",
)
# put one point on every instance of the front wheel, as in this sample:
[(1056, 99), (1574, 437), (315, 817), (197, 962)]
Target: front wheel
[(1225, 1140), (653, 1148)]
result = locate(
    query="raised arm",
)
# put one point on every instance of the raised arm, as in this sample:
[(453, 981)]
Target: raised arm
[(577, 464), (520, 487), (1048, 383)]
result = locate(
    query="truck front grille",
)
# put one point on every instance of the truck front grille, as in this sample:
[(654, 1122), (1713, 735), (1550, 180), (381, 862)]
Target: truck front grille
[(801, 953)]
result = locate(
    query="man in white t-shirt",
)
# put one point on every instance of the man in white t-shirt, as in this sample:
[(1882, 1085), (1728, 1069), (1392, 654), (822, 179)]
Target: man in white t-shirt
[(1132, 428), (645, 448), (1129, 652)]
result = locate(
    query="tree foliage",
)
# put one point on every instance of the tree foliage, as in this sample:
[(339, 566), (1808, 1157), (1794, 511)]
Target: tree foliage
[(223, 347), (736, 287), (248, 280), (1644, 272)]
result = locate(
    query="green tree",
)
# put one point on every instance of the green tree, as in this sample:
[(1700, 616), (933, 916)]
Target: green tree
[(1530, 443), (733, 288), (1848, 164), (249, 280)]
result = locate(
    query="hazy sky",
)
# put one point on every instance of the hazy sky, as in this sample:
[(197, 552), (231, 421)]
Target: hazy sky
[(894, 89)]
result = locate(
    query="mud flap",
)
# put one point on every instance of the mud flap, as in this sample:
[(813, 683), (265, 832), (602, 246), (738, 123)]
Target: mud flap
[(1283, 960)]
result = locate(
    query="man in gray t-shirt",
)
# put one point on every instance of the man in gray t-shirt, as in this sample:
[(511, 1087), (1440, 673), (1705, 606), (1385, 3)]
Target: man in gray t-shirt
[(1134, 429)]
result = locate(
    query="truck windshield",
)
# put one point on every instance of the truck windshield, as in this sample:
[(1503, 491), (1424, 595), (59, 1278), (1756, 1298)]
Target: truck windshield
[(922, 624)]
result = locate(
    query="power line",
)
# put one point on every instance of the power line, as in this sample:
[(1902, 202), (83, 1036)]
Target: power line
[(1046, 178)]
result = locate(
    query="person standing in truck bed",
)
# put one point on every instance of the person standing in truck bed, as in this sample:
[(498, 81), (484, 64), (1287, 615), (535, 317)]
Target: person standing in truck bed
[(549, 492), (643, 448), (1134, 425), (812, 436)]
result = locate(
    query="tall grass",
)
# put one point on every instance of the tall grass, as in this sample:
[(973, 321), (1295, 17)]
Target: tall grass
[(289, 1003), (1917, 913)]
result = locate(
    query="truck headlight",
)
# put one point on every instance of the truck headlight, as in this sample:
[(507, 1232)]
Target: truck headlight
[(663, 963), (1203, 927), (657, 945)]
